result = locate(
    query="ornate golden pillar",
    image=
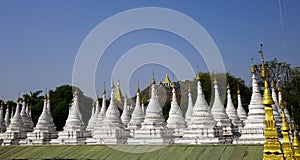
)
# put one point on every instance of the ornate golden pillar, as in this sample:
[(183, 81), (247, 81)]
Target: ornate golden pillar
[(272, 146)]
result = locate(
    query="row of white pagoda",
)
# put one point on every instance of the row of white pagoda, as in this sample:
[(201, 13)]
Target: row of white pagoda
[(201, 124)]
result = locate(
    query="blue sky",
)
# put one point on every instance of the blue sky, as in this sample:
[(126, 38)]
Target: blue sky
[(39, 40)]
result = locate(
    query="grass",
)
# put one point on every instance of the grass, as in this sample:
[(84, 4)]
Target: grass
[(132, 152)]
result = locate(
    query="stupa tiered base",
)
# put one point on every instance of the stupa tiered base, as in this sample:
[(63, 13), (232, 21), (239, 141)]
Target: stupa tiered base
[(12, 138), (200, 136), (152, 136), (251, 136), (38, 138), (71, 137), (109, 136)]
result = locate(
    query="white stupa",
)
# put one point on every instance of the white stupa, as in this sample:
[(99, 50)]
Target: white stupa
[(232, 113), (220, 116), (112, 130), (176, 120), (189, 111), (275, 107), (202, 128), (45, 129), (15, 132), (137, 116), (6, 118), (154, 130), (102, 112), (53, 127), (240, 109), (74, 131), (2, 120), (27, 121), (253, 131), (94, 116), (28, 112), (125, 117)]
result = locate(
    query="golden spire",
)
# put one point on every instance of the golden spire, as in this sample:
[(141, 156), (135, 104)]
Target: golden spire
[(284, 126), (118, 95), (215, 80), (189, 89), (252, 67), (273, 84), (238, 89), (296, 143), (228, 86), (153, 79), (167, 79), (287, 146), (104, 90), (272, 146), (296, 146), (198, 77)]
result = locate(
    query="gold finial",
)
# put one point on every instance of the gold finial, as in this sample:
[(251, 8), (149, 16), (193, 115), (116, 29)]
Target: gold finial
[(228, 86), (45, 95), (238, 89), (138, 87), (252, 67), (273, 84), (189, 89), (118, 84), (215, 80), (104, 91), (153, 79), (167, 79), (198, 74)]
